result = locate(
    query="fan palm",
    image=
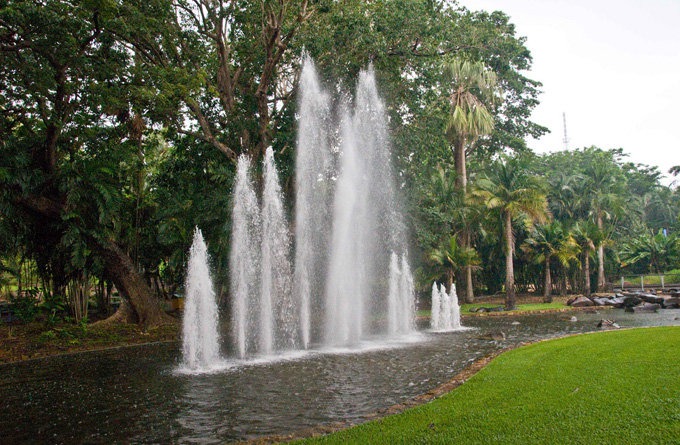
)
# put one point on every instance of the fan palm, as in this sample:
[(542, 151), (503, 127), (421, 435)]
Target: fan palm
[(473, 87), (511, 189)]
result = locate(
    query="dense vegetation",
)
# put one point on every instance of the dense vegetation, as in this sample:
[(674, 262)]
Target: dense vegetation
[(525, 396), (121, 123)]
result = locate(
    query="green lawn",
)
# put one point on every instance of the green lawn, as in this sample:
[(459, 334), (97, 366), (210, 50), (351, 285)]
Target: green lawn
[(615, 387)]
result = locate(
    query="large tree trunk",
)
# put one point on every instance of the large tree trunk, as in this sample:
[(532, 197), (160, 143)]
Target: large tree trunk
[(586, 273), (459, 163), (601, 282), (509, 267), (117, 263), (449, 280), (129, 282), (461, 184), (547, 291)]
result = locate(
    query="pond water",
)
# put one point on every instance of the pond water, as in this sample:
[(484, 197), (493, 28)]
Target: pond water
[(135, 395)]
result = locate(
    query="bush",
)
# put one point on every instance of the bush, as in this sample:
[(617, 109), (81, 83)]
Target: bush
[(25, 305)]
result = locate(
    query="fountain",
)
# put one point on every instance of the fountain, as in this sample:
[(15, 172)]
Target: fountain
[(342, 290), (200, 339), (445, 312), (342, 286)]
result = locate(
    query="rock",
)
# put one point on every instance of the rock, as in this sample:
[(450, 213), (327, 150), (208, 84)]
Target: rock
[(672, 303), (495, 309), (573, 319), (582, 302), (608, 324), (616, 302), (495, 336), (644, 307), (515, 323), (498, 336), (631, 301), (650, 298), (600, 301), (571, 301)]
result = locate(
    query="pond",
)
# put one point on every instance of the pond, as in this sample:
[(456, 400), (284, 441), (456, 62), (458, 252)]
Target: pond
[(134, 394)]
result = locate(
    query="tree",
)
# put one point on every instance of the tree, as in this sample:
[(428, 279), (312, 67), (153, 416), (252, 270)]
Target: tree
[(658, 252), (236, 59), (66, 127), (473, 90), (451, 257), (509, 188), (473, 87), (604, 187), (588, 236), (550, 241)]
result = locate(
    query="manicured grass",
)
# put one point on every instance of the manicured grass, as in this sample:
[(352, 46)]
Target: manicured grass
[(615, 387), (670, 277)]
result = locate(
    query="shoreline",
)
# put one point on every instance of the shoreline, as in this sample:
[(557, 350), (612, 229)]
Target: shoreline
[(26, 344)]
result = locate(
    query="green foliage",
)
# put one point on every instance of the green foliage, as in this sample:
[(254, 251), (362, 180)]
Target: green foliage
[(473, 86), (121, 122), (453, 258), (654, 252), (54, 307), (24, 305), (551, 393)]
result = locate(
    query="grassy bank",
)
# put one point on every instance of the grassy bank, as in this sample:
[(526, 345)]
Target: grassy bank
[(611, 387), (33, 340), (525, 307)]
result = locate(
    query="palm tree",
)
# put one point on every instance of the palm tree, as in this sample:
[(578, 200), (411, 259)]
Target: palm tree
[(510, 188), (588, 236), (448, 209), (451, 258), (550, 241), (603, 186), (473, 87)]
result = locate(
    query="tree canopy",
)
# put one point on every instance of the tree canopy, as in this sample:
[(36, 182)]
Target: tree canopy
[(121, 123)]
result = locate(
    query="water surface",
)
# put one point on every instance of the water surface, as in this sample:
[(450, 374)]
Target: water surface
[(135, 395)]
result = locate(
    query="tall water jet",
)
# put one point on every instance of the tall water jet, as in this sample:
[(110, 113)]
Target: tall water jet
[(400, 297), (278, 311), (393, 295), (347, 285), (435, 309), (455, 308), (200, 339), (445, 317), (406, 302), (313, 189), (244, 262)]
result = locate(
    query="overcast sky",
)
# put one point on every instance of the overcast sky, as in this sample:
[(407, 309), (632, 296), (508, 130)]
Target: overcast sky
[(612, 66)]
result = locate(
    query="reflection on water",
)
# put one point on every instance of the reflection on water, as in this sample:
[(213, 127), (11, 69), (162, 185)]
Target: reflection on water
[(135, 395)]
